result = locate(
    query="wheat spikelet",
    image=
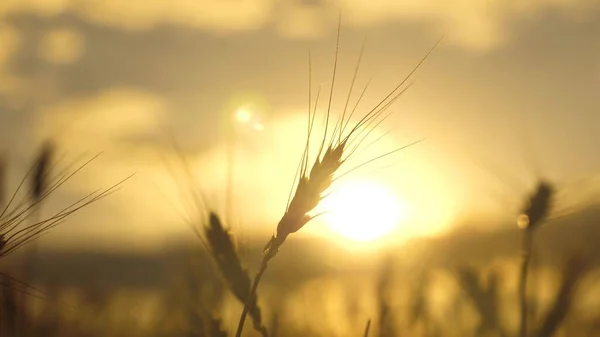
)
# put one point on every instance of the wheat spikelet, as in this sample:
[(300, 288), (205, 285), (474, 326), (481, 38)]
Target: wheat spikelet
[(14, 234), (41, 171), (222, 247), (534, 212), (309, 192), (537, 207), (338, 147), (220, 243)]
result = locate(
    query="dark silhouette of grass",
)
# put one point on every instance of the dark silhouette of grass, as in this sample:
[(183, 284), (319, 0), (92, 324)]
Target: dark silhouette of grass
[(534, 212)]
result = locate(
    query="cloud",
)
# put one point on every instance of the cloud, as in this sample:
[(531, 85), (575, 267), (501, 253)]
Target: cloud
[(471, 23), (88, 125), (102, 119), (61, 46), (9, 40)]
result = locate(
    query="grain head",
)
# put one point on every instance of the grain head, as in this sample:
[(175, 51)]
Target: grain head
[(18, 222), (222, 248), (41, 171), (309, 192), (335, 149), (536, 207)]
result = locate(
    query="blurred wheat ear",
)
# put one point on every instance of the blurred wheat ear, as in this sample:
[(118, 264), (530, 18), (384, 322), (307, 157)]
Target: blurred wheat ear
[(536, 208), (336, 148), (41, 171), (573, 272), (222, 248), (15, 231), (484, 296)]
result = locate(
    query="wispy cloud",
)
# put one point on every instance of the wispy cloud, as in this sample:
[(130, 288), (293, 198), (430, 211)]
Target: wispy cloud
[(9, 40), (471, 23), (61, 46), (104, 118)]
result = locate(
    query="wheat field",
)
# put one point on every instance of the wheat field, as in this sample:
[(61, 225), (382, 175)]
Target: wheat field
[(265, 259)]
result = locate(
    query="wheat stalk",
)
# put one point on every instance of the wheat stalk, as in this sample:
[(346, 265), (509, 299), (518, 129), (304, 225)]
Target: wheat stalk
[(222, 247), (313, 184), (41, 171), (367, 328), (536, 209), (217, 239)]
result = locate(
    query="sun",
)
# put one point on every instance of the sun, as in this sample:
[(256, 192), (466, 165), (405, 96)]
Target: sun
[(363, 211)]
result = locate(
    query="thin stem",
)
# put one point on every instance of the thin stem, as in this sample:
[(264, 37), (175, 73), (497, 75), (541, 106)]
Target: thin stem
[(367, 328), (526, 258), (231, 143), (257, 278), (34, 248)]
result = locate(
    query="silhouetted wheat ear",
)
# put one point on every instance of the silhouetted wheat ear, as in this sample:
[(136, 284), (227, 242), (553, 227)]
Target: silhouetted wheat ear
[(222, 247), (535, 211), (309, 192), (311, 186), (41, 171), (18, 222), (536, 207)]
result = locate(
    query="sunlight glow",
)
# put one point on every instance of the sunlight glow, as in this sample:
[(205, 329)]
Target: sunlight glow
[(243, 116), (363, 211)]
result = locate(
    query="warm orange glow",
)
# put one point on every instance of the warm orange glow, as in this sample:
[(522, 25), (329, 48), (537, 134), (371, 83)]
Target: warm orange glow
[(363, 211)]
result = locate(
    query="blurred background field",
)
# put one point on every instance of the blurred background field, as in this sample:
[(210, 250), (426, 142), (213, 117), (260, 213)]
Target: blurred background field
[(423, 242)]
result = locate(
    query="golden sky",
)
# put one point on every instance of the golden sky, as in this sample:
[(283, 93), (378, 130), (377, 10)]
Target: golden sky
[(510, 77)]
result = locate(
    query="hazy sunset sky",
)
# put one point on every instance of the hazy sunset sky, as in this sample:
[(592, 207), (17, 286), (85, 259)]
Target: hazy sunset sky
[(510, 77)]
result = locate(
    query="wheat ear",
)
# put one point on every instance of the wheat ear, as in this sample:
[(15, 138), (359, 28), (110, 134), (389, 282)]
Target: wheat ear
[(12, 238), (222, 247), (536, 209), (313, 184), (217, 239)]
